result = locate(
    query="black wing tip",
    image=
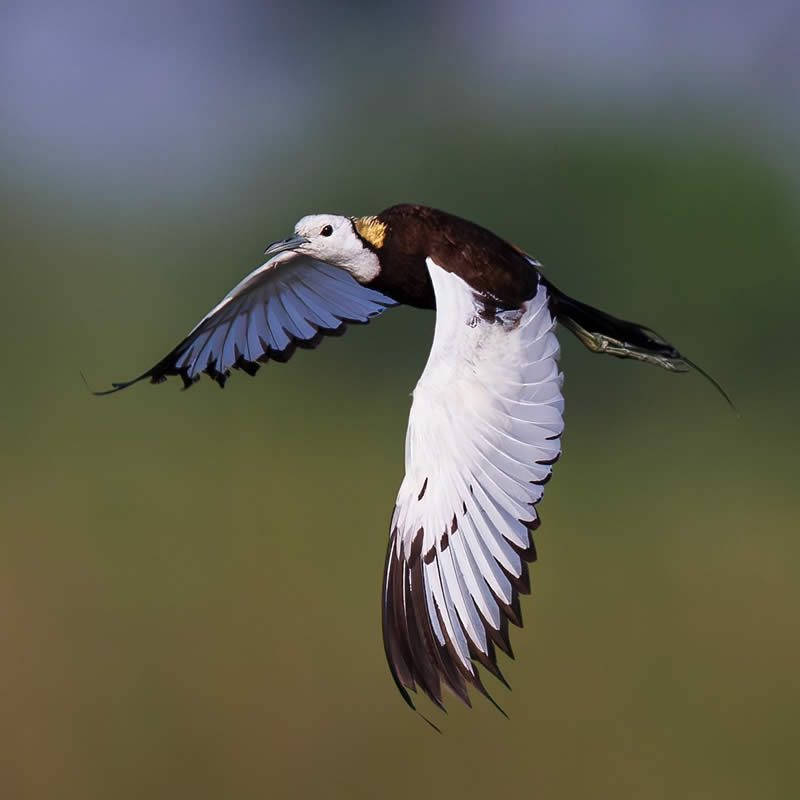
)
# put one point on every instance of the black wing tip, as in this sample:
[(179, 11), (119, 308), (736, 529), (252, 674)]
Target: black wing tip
[(417, 661), (495, 704), (407, 697), (115, 387), (220, 378), (432, 724)]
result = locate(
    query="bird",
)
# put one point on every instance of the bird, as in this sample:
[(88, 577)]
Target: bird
[(486, 417)]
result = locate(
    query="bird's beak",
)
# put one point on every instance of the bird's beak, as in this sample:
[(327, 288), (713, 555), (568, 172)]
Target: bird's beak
[(292, 243)]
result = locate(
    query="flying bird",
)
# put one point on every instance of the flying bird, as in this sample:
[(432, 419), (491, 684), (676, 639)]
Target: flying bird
[(486, 418)]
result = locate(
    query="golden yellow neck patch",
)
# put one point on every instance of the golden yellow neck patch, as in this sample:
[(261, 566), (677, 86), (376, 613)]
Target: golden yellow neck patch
[(371, 229)]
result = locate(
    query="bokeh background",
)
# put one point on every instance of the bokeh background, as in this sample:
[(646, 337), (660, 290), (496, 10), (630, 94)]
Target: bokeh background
[(190, 582)]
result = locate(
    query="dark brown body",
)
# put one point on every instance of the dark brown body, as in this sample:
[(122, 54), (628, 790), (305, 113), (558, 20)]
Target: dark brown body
[(490, 265)]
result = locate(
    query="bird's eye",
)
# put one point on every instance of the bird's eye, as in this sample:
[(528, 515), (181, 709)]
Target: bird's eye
[(327, 230)]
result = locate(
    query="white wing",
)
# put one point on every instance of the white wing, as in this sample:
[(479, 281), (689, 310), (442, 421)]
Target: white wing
[(290, 301), (482, 437)]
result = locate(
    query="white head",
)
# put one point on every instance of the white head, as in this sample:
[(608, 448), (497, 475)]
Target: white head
[(333, 239)]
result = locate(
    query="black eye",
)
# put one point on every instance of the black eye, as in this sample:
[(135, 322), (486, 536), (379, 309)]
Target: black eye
[(327, 230)]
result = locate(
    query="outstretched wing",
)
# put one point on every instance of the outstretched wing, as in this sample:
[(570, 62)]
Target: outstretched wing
[(482, 437), (285, 303)]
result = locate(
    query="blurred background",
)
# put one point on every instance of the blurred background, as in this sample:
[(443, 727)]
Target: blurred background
[(190, 582)]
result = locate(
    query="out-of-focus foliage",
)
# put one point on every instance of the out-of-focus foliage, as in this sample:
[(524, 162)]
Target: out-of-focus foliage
[(190, 582)]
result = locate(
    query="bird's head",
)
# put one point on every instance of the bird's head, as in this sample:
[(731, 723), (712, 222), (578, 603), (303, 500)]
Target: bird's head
[(346, 242)]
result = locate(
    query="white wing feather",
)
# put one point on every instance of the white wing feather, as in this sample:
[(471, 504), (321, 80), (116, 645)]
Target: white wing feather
[(482, 437), (289, 301)]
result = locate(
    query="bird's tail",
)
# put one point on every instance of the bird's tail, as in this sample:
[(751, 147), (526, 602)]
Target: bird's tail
[(602, 333)]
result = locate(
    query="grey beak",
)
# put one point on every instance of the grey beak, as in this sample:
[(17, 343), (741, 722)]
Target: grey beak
[(292, 243)]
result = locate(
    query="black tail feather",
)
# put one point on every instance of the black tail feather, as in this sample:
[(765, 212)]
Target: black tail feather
[(603, 333), (713, 382)]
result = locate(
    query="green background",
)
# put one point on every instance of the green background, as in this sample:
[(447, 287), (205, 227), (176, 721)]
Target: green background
[(190, 581)]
